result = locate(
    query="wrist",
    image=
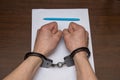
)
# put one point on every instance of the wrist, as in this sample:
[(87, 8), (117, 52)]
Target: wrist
[(35, 58), (81, 55), (81, 49), (72, 49), (42, 51)]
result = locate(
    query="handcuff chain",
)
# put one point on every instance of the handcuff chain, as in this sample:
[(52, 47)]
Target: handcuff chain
[(59, 64)]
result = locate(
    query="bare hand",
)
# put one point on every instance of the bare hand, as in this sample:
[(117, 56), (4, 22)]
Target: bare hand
[(47, 39), (75, 36)]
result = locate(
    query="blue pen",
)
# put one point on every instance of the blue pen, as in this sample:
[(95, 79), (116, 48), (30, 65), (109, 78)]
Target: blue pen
[(62, 19)]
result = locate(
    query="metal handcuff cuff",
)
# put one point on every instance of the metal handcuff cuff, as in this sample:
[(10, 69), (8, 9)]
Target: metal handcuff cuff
[(68, 60)]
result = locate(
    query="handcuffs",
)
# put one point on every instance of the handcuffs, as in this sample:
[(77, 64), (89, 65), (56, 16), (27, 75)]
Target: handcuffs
[(68, 60)]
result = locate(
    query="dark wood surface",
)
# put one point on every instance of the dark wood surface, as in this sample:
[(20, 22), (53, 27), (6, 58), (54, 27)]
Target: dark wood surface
[(15, 32)]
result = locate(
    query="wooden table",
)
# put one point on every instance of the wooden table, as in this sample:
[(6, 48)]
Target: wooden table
[(15, 32)]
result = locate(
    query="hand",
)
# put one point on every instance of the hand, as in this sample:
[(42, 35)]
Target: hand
[(47, 38), (75, 36)]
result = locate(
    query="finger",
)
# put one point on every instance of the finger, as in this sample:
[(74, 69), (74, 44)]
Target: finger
[(75, 26), (70, 29), (59, 33), (50, 26), (65, 32), (55, 29)]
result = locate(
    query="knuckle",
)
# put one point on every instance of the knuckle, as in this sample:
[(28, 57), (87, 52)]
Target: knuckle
[(42, 28), (81, 28)]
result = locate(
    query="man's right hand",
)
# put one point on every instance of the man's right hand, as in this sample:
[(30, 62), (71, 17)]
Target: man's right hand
[(48, 36)]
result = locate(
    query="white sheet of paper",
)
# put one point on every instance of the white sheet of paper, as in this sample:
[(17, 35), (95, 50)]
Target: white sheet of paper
[(64, 73)]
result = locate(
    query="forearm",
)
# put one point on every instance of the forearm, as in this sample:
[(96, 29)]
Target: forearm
[(47, 35), (83, 68), (26, 70)]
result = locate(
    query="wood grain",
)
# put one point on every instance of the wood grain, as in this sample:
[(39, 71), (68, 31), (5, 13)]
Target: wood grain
[(15, 32)]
